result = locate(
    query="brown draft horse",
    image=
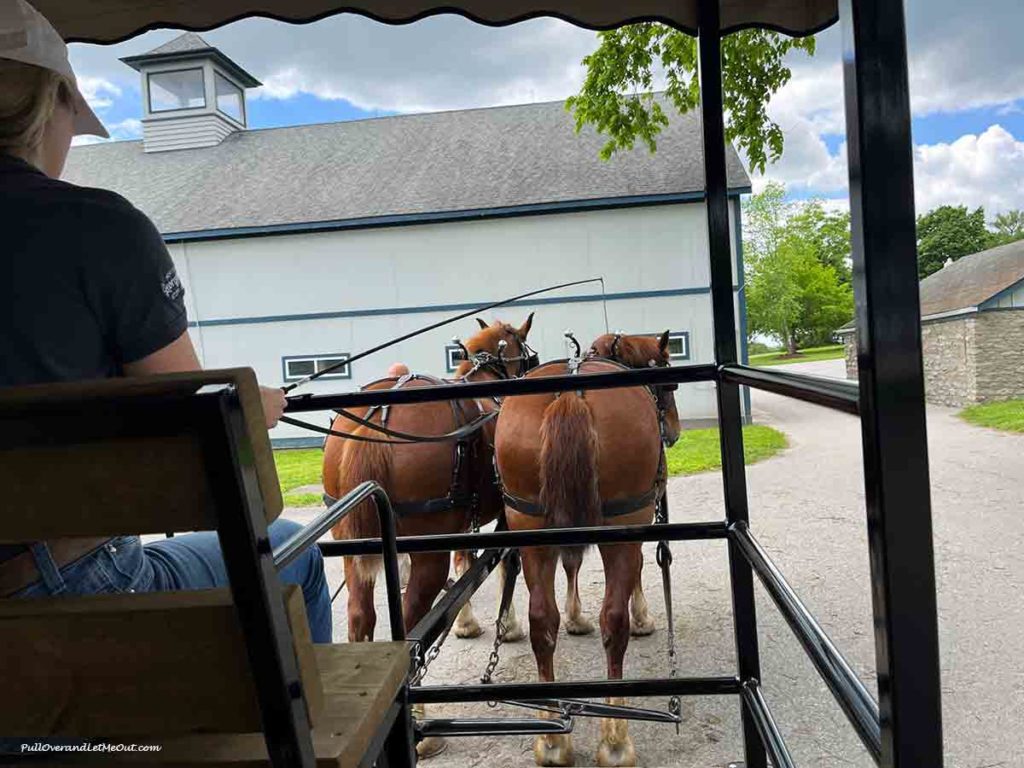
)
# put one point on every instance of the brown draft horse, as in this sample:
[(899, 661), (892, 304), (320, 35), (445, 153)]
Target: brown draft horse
[(587, 459), (413, 474)]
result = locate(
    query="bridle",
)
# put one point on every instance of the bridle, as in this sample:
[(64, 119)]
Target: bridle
[(528, 359), (663, 393)]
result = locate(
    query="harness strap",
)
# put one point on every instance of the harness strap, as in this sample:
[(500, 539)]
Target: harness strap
[(613, 508), (411, 508)]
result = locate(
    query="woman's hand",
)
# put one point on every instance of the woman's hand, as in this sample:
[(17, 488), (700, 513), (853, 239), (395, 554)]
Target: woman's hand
[(274, 403)]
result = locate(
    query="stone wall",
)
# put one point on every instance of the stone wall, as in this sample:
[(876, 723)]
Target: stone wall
[(850, 348), (950, 370), (968, 359), (999, 340)]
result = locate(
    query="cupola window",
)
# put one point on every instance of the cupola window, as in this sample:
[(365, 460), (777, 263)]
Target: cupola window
[(179, 89)]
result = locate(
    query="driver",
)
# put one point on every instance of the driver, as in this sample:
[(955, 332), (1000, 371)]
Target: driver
[(88, 290)]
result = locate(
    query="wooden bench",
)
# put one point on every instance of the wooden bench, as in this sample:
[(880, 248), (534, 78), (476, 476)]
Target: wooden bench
[(213, 677)]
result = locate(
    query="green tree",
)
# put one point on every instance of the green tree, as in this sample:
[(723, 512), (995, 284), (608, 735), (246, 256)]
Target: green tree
[(797, 269), (617, 94), (1009, 226), (828, 233), (793, 297), (949, 232)]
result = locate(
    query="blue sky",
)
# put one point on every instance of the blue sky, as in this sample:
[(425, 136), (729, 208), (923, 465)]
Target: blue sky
[(967, 87)]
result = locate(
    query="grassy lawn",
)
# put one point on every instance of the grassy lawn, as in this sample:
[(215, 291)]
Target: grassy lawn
[(831, 352), (296, 468), (1007, 415), (696, 451)]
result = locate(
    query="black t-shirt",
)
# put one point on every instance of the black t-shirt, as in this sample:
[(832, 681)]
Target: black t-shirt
[(86, 283)]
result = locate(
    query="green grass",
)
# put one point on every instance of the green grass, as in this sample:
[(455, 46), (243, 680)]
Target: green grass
[(1007, 415), (296, 468), (831, 352), (698, 449)]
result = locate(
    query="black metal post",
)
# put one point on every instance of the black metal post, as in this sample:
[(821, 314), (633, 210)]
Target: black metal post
[(615, 534), (840, 395), (675, 374), (578, 689), (242, 530), (730, 415), (850, 693), (891, 381), (389, 550), (769, 732)]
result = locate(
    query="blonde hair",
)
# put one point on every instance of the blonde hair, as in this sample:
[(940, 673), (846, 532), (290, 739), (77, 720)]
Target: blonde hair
[(28, 96)]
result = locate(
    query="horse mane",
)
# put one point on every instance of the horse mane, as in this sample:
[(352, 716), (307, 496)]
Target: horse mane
[(632, 351)]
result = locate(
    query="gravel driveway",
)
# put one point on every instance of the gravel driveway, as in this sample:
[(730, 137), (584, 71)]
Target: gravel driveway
[(807, 509)]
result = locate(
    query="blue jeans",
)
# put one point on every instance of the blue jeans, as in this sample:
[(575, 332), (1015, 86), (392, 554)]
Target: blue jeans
[(190, 561)]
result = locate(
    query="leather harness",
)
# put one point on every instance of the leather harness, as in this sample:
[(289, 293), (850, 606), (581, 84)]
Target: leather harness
[(612, 507), (462, 492)]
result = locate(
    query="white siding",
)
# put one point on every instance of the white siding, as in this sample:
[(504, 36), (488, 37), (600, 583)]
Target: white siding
[(248, 287), (188, 132)]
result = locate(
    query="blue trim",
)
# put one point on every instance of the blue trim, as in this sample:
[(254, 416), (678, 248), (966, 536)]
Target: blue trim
[(353, 313), (346, 371), (740, 281), (991, 301), (436, 217), (278, 443)]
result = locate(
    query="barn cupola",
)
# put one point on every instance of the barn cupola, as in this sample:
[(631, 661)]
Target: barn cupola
[(192, 94)]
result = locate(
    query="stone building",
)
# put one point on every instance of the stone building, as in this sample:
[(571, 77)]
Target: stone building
[(972, 329)]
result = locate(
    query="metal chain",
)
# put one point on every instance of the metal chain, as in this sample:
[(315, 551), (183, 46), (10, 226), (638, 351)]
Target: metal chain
[(422, 662), (512, 568), (664, 559)]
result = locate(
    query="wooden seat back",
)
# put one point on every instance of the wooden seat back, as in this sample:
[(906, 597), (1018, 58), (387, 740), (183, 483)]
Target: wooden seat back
[(174, 453)]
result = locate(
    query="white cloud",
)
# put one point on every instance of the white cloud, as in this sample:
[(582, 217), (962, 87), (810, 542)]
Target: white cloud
[(986, 170), (98, 92), (122, 130)]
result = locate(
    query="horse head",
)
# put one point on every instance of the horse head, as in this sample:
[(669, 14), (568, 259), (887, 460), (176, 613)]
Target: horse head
[(500, 348), (645, 352)]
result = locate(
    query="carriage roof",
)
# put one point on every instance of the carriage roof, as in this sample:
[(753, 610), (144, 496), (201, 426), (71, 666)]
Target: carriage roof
[(105, 21)]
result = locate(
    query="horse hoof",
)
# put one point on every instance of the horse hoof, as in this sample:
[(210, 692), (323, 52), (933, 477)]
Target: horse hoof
[(553, 750), (579, 626), (513, 634), (617, 753), (641, 628), (469, 630), (430, 747)]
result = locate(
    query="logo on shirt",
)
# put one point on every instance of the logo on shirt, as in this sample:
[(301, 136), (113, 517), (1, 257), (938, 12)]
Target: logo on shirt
[(171, 286)]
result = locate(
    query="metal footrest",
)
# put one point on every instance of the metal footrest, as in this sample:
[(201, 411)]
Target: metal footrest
[(577, 708)]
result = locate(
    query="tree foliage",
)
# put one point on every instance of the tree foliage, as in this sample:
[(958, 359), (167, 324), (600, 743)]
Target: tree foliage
[(797, 269), (1009, 226), (949, 233), (617, 96)]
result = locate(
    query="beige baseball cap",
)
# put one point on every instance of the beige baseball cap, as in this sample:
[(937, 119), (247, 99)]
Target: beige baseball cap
[(26, 36)]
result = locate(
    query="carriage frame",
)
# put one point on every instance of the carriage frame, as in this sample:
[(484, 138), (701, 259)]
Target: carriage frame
[(904, 727)]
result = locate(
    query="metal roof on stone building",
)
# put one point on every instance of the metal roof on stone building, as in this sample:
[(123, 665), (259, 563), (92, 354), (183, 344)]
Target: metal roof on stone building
[(468, 160)]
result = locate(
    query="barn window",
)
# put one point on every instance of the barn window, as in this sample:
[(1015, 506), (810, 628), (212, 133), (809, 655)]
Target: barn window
[(298, 367), (181, 89), (679, 346), (452, 357)]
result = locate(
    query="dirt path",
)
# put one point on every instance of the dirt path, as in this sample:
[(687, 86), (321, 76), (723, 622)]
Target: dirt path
[(807, 510)]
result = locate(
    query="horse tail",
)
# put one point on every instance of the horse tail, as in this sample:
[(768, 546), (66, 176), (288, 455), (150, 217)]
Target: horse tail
[(361, 462), (569, 450)]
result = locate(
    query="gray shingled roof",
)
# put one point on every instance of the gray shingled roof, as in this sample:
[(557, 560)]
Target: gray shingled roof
[(411, 164), (185, 43), (970, 281)]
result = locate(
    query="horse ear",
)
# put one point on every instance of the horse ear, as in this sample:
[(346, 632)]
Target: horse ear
[(663, 341), (483, 325), (524, 329)]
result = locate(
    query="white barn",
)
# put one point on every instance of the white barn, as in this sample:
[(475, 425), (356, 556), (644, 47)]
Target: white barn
[(306, 244)]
